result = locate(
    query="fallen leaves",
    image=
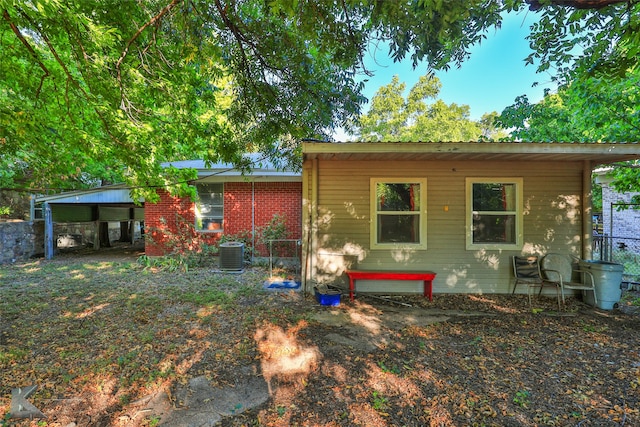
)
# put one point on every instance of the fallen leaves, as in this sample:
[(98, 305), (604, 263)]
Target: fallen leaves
[(96, 338)]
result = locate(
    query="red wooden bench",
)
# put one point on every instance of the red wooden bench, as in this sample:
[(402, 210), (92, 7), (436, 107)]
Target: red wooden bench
[(426, 276)]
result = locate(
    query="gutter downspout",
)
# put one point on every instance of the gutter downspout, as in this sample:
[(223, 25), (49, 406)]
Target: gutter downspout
[(310, 215), (314, 220), (587, 211)]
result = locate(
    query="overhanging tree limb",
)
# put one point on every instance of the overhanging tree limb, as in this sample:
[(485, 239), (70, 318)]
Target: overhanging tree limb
[(30, 48), (575, 4), (135, 36)]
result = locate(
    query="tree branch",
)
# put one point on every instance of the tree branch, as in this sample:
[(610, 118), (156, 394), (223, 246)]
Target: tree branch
[(130, 42), (576, 4), (241, 39), (30, 48), (71, 80)]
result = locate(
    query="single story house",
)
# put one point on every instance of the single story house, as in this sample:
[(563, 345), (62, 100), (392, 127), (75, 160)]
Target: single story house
[(230, 204), (461, 210)]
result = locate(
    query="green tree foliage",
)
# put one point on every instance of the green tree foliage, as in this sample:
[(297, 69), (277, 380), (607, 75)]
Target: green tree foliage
[(391, 117), (589, 110), (595, 109), (111, 89), (107, 90)]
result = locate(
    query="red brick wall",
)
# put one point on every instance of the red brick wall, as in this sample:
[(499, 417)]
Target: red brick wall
[(165, 220), (169, 223)]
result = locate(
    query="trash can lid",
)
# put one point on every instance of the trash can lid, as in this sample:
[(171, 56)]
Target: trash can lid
[(231, 244), (602, 265)]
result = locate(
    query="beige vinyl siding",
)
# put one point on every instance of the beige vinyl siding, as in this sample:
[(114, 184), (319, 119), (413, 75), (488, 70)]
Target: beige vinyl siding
[(552, 222)]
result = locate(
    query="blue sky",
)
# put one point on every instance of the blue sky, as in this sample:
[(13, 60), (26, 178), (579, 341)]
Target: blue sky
[(489, 81)]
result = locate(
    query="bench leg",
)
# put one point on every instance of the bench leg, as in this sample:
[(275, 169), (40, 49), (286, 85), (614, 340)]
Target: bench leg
[(428, 289), (352, 288)]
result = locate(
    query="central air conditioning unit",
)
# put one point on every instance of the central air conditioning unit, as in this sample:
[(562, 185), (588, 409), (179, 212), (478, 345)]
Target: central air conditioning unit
[(231, 256)]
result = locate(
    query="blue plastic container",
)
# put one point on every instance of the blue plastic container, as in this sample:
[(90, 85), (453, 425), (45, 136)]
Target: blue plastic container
[(328, 297)]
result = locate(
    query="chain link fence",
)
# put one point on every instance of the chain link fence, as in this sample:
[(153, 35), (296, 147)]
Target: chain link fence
[(621, 250)]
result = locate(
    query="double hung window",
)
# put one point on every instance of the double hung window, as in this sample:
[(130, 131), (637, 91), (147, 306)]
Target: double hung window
[(494, 213), (210, 207), (398, 213)]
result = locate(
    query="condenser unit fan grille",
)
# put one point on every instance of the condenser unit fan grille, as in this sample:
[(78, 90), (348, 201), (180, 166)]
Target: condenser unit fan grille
[(231, 256)]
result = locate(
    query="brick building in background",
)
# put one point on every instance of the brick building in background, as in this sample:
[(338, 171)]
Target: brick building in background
[(620, 212), (230, 205)]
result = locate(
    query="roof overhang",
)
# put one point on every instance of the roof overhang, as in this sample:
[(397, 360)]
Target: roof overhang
[(261, 170), (118, 194), (596, 153)]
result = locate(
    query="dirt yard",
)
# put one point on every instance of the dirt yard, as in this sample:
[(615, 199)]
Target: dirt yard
[(111, 342)]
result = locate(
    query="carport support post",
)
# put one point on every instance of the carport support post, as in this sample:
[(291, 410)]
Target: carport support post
[(48, 231), (96, 239)]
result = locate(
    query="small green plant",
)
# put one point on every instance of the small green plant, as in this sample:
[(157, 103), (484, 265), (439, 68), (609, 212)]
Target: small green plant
[(13, 354), (153, 421), (476, 340), (379, 401), (125, 399), (208, 297), (184, 245), (5, 419), (389, 369), (630, 298), (269, 234), (521, 398)]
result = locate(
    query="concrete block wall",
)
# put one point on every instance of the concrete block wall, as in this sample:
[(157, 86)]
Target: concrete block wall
[(19, 240)]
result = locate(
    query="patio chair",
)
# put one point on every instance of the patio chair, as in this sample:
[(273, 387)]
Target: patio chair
[(560, 269), (526, 271)]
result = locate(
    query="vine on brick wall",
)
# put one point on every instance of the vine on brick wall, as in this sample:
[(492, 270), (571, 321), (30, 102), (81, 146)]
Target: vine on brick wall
[(276, 229), (185, 246)]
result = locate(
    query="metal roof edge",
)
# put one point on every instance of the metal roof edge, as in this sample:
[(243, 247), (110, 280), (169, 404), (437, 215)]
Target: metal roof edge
[(470, 147), (81, 192)]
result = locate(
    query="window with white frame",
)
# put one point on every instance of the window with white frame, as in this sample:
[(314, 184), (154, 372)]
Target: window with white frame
[(494, 213), (210, 207), (398, 213)]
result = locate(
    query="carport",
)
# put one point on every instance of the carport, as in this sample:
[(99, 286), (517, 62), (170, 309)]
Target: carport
[(97, 206)]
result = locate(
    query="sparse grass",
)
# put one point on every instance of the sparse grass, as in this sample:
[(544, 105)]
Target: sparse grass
[(116, 328), (631, 298)]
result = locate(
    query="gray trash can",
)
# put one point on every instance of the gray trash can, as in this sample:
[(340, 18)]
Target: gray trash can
[(608, 278)]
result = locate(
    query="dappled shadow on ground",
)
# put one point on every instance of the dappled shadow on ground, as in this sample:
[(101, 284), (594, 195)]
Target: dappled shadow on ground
[(464, 360), (113, 343), (117, 252)]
